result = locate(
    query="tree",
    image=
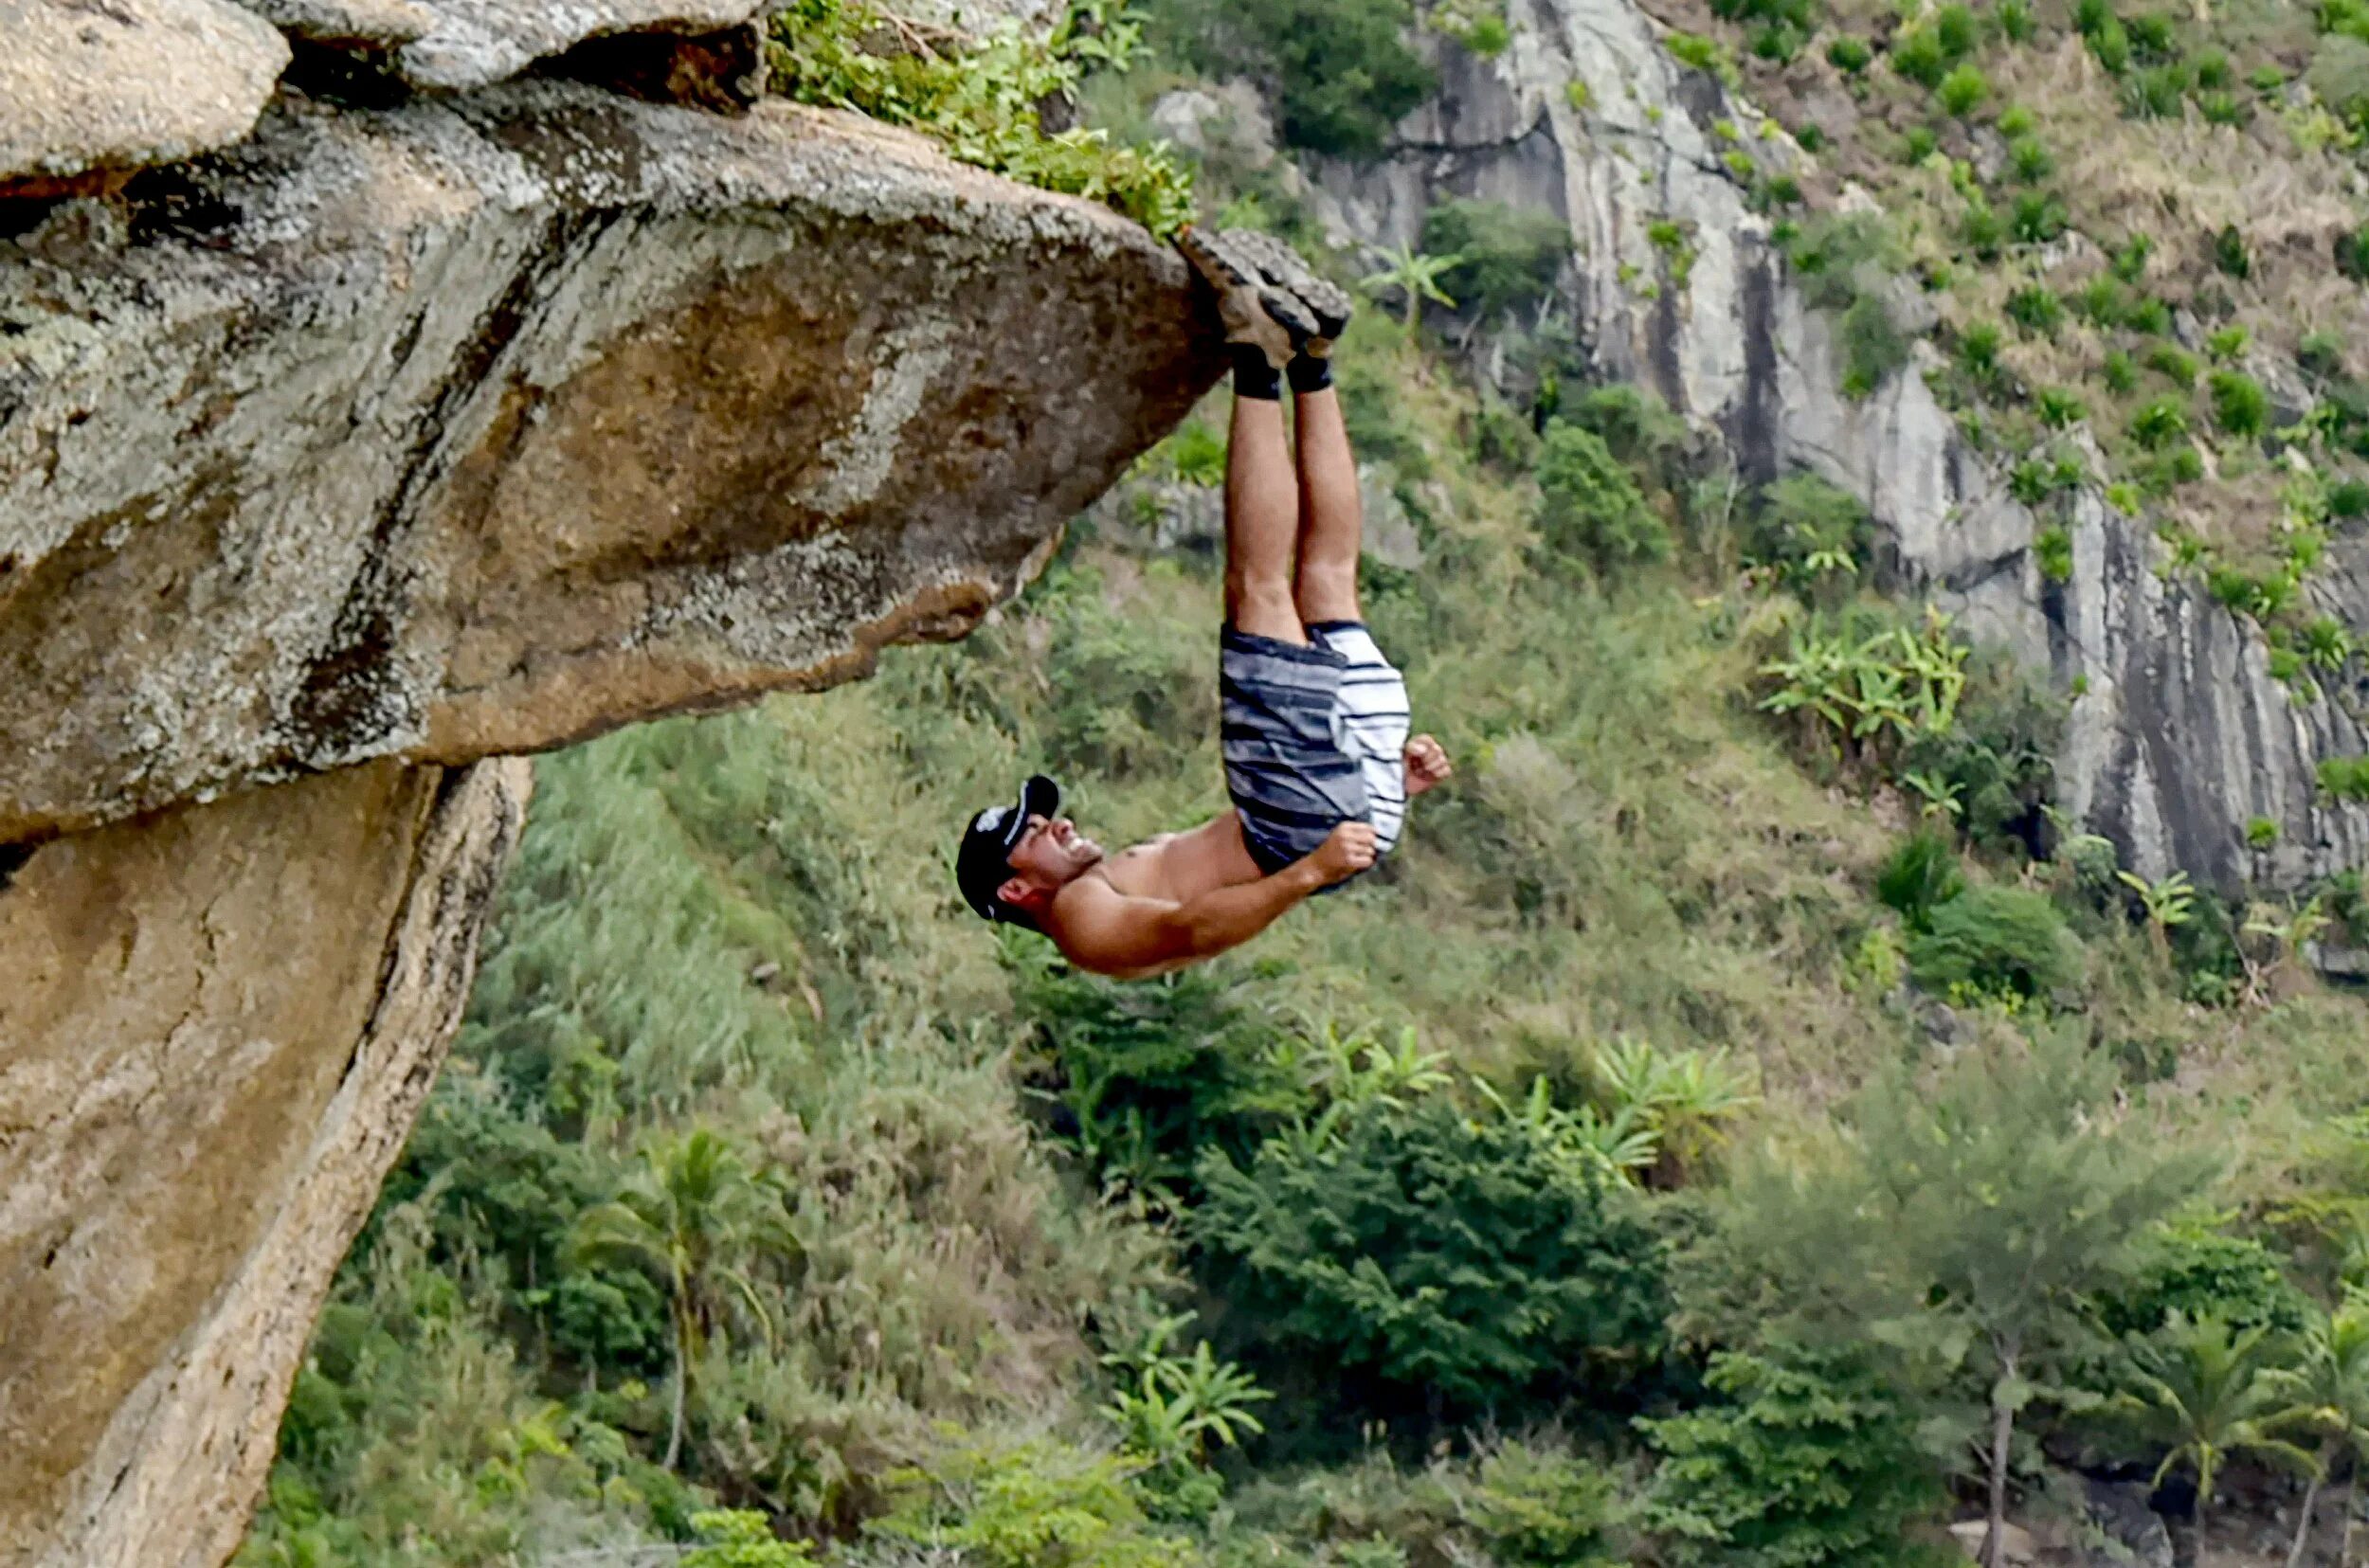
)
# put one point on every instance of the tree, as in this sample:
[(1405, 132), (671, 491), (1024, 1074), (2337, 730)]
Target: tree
[(2211, 1392), (1806, 1459), (695, 1217), (1958, 1224), (2330, 1381), (1417, 279), (1450, 1259), (1589, 504)]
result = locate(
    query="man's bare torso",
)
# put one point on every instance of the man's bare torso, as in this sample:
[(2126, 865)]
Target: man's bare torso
[(1155, 877), (1177, 868)]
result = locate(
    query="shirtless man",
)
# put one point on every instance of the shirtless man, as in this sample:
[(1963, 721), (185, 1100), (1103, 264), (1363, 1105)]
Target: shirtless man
[(1315, 726)]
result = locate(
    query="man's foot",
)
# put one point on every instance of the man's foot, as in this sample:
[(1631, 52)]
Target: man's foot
[(1326, 303), (1257, 313)]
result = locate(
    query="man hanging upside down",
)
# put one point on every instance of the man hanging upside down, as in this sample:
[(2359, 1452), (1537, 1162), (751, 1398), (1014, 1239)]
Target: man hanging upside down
[(1314, 726)]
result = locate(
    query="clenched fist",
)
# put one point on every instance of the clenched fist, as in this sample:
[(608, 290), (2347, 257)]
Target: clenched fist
[(1347, 851), (1426, 765)]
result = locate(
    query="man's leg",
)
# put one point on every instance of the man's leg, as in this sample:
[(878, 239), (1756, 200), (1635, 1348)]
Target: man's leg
[(1262, 504), (1262, 521), (1332, 513)]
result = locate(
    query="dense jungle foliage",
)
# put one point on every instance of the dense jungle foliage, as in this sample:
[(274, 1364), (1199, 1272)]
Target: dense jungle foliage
[(1746, 1124)]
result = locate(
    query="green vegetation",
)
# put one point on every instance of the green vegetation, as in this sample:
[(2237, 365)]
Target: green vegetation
[(1743, 1124), (1505, 258), (979, 102)]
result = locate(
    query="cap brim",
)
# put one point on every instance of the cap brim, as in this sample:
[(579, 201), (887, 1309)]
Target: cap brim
[(1038, 797)]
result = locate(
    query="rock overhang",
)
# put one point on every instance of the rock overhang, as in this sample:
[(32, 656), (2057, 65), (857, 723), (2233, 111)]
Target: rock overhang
[(473, 428)]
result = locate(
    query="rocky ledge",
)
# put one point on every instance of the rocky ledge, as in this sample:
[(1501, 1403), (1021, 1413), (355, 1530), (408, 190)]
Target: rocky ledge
[(470, 429)]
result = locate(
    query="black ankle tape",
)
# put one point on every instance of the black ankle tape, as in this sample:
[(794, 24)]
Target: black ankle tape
[(1309, 374), (1253, 377)]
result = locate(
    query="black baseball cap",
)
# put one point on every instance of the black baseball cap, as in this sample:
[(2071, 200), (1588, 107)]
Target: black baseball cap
[(983, 863)]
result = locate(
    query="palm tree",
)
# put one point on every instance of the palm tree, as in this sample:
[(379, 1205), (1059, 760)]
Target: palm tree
[(695, 1216), (2207, 1390), (1414, 276), (2168, 903), (2331, 1383)]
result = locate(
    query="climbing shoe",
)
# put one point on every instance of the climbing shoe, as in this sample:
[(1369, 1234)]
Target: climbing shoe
[(1258, 315), (1324, 304)]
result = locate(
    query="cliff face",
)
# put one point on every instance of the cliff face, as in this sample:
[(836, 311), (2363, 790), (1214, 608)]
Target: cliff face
[(218, 1028), (337, 465), (2180, 737)]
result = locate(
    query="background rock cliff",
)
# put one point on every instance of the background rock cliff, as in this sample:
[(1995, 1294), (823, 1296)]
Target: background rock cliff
[(2179, 737), (373, 443)]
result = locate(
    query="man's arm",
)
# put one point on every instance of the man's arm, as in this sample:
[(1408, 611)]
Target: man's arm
[(1103, 929)]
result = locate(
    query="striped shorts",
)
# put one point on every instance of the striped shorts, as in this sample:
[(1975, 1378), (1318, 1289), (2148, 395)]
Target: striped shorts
[(1312, 736)]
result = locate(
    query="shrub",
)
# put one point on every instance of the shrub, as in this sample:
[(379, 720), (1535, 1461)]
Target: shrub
[(1963, 88), (1589, 504), (1997, 757), (1806, 1460), (2036, 309), (1638, 428), (1431, 1255), (2159, 423), (1040, 1504), (1978, 351), (2349, 499), (1509, 258), (2224, 108), (2229, 253), (978, 105), (2153, 37), (2036, 218), (2168, 360), (2227, 344), (1921, 874), (1850, 54), (2154, 92), (1693, 49), (1808, 528), (2352, 254), (1998, 942), (2194, 1270), (2111, 45), (2120, 373), (1874, 347), (2015, 20), (2053, 551), (1955, 26), (2345, 778), (2321, 353), (2240, 406), (2262, 833), (1917, 54), (1341, 69), (2149, 317), (2029, 159), (2058, 407)]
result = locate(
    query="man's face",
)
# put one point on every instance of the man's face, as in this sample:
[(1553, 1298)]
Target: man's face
[(1052, 854)]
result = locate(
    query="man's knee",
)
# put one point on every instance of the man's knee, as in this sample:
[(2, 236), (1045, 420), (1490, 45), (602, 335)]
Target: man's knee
[(1324, 591), (1263, 609)]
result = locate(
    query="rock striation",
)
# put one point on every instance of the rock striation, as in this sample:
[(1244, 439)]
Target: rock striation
[(471, 428), (2178, 738)]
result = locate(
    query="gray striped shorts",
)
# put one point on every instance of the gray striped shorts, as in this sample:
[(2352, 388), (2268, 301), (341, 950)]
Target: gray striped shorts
[(1312, 736)]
